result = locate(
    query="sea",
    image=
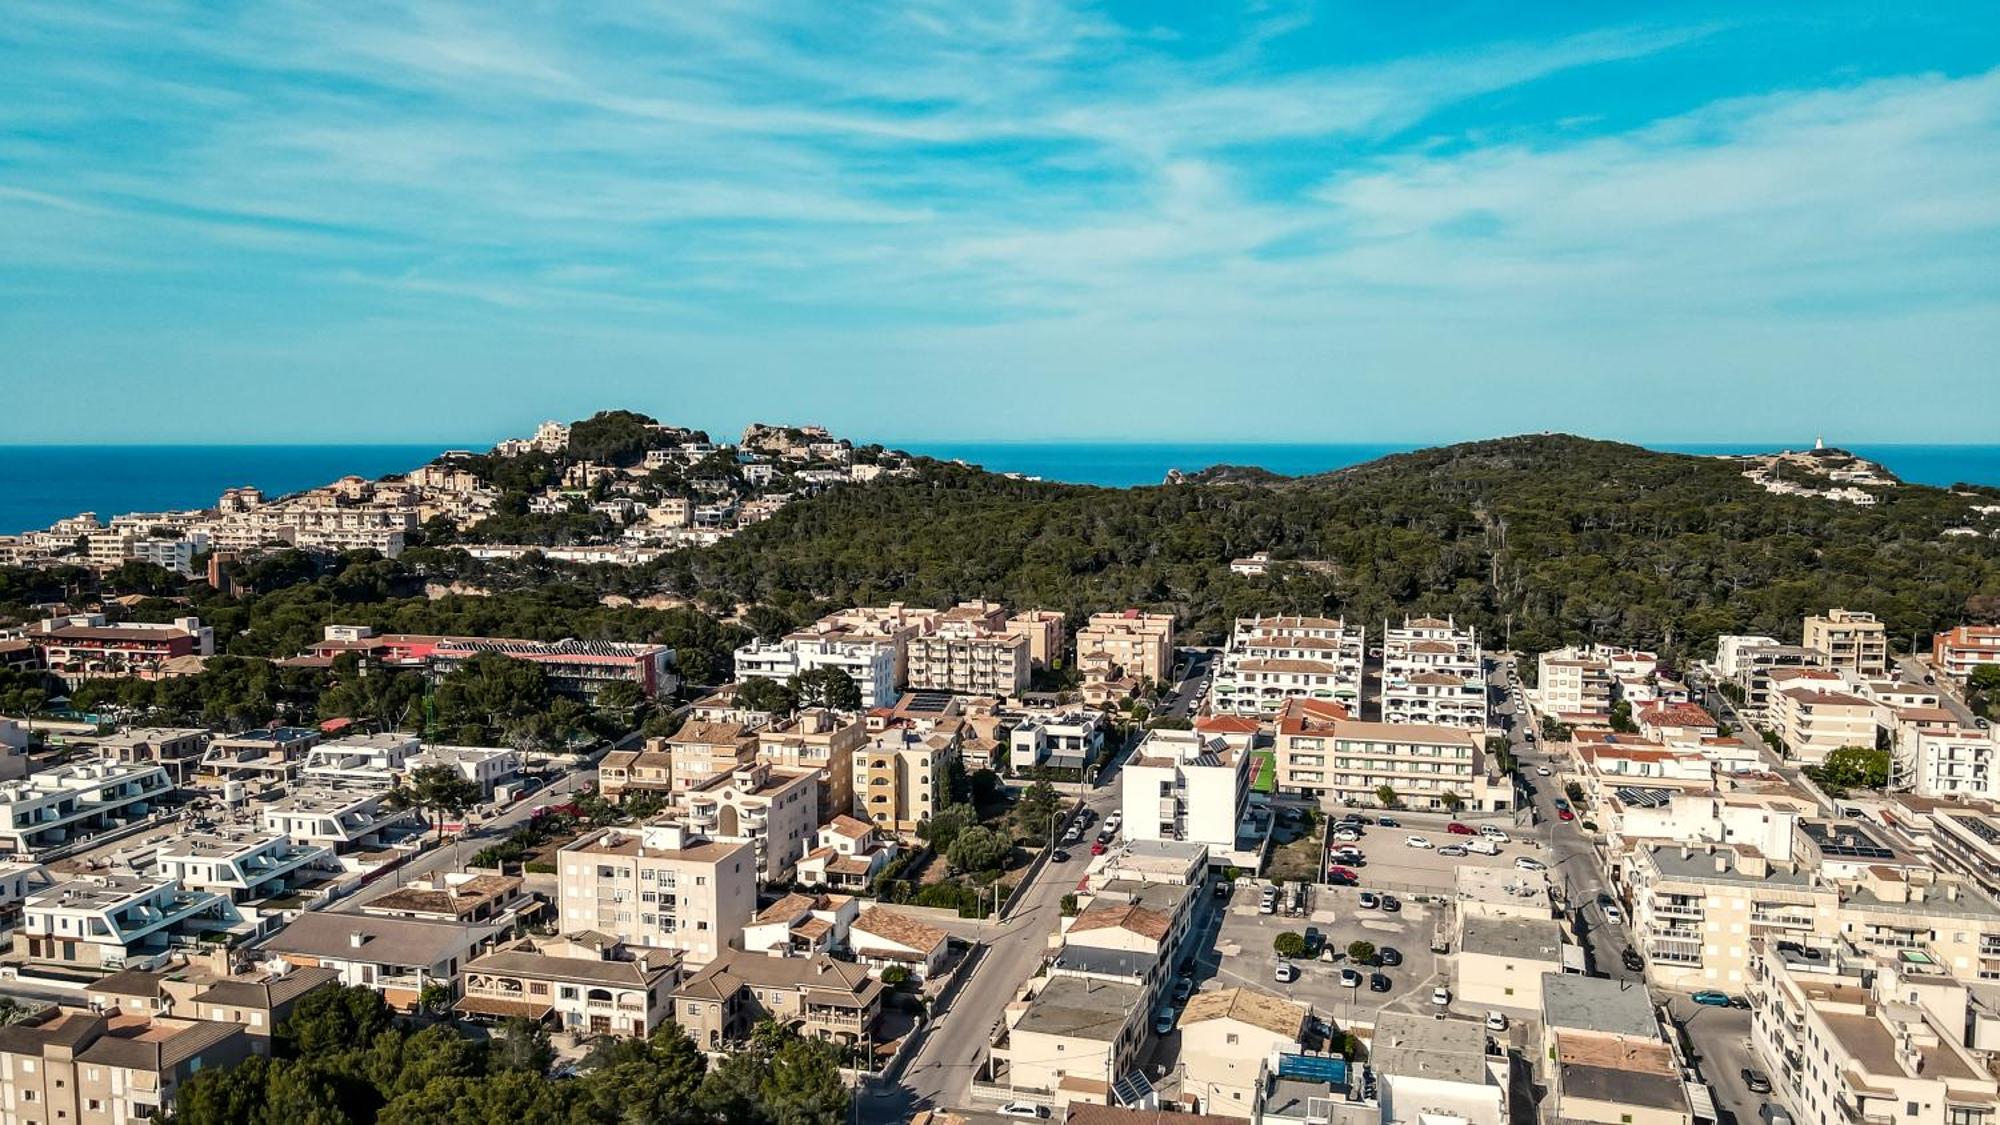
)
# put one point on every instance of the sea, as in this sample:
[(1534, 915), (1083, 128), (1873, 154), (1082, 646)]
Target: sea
[(40, 484)]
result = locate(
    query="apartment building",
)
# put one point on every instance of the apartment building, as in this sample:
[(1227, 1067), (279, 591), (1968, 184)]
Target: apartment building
[(1429, 1069), (1426, 767), (1502, 962), (1956, 763), (398, 957), (1183, 786), (83, 646), (1959, 650), (1813, 724), (111, 921), (823, 742), (367, 760), (583, 989), (1069, 739), (700, 752), (1044, 630), (1610, 1065), (178, 750), (1272, 659), (258, 758), (56, 808), (1302, 743), (346, 820), (822, 997), (871, 662), (17, 882), (1127, 643), (68, 1064), (1433, 672), (1849, 641), (970, 653), (899, 777), (1070, 1032), (1228, 1036), (1852, 1038), (623, 772), (245, 865), (662, 886), (845, 854), (1573, 685), (773, 810), (1767, 669), (1735, 652), (579, 670)]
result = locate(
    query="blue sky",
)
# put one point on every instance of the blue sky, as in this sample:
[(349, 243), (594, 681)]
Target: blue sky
[(1033, 220)]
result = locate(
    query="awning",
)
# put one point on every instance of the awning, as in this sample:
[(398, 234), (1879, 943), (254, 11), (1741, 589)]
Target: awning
[(494, 1006), (1699, 1102)]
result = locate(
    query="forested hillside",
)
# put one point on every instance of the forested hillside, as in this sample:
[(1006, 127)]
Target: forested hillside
[(1574, 539)]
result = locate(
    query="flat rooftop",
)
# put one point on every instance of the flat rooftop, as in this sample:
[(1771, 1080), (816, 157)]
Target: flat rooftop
[(1081, 1008), (1422, 1046)]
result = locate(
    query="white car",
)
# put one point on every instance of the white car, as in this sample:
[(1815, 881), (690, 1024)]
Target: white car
[(1613, 915), (1527, 863), (1541, 771), (1495, 1021), (1494, 834), (1441, 996), (1023, 1109), (1419, 842)]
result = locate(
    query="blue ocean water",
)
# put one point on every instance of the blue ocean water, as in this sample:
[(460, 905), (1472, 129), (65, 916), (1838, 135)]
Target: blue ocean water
[(1123, 464), (40, 484)]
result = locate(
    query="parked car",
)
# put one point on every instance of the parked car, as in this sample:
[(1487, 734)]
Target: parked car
[(1565, 815), (1542, 771), (1097, 847), (1441, 996), (1633, 961), (1285, 972), (1357, 818), (1742, 1002), (1771, 1114), (1059, 856), (1419, 842), (1529, 863), (1612, 914), (1388, 822), (1268, 903), (1496, 1021), (1757, 1081), (1562, 802), (1350, 978), (1391, 903), (1315, 941), (1347, 835), (1163, 1022), (1493, 832), (1455, 851), (1709, 997), (1388, 956), (1341, 876), (1023, 1109), (1183, 988), (1378, 982), (1458, 829)]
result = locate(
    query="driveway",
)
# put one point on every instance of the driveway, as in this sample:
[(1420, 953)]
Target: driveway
[(1721, 1038)]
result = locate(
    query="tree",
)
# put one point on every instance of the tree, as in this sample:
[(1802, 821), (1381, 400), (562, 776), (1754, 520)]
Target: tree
[(443, 791), (332, 1018), (1361, 952), (1451, 800), (1037, 811), (1068, 906), (942, 829), (979, 849), (1553, 730), (1856, 767), (1291, 943), (523, 1044), (1984, 678), (434, 997), (827, 687), (1385, 795), (621, 699), (766, 695)]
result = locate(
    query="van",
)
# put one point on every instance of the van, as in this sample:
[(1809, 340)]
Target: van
[(1268, 904), (1484, 845)]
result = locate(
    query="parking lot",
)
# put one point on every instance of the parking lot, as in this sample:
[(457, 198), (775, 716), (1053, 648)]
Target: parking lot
[(1393, 865), (1242, 954)]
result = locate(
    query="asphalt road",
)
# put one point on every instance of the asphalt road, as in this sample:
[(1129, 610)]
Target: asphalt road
[(1188, 690), (1721, 1038), (954, 1043)]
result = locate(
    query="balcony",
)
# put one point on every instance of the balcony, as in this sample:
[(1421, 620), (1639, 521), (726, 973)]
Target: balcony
[(1685, 909)]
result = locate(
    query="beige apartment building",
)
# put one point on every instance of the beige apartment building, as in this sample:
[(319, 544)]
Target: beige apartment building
[(1849, 641), (1813, 724), (899, 778), (71, 1065), (1272, 659), (1331, 758), (775, 811), (1044, 630), (822, 741), (970, 656), (1573, 684), (1849, 1037), (624, 772), (1128, 643), (825, 998), (662, 887), (702, 751)]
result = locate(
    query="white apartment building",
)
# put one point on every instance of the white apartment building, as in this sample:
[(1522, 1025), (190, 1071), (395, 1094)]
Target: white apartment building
[(244, 865), (1059, 739), (1957, 763), (346, 820), (662, 887), (1184, 786), (1734, 653), (1573, 685), (369, 760), (1272, 659), (1332, 758), (871, 664), (484, 766), (112, 921), (1433, 673), (1849, 641), (970, 657), (1813, 724), (47, 810)]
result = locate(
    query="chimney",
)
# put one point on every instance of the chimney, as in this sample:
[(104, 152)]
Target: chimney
[(356, 939)]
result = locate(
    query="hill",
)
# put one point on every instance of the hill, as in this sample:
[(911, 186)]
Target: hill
[(1554, 538)]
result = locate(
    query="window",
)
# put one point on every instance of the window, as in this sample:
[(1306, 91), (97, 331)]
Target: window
[(568, 992), (1230, 1038)]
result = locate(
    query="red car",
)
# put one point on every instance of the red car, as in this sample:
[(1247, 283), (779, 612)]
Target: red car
[(1097, 847), (1565, 814), (1457, 829), (1340, 875)]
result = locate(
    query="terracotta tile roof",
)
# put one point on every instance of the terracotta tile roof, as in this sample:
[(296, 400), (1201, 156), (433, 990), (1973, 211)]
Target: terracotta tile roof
[(1676, 715), (898, 927), (1227, 724), (1123, 916), (849, 827), (1246, 1005)]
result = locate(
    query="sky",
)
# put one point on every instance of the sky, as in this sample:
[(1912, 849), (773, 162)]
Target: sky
[(1032, 220)]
